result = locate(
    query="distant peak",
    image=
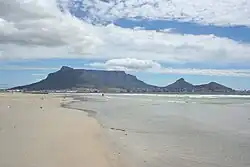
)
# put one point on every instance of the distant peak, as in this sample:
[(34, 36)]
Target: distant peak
[(212, 83), (65, 68), (181, 79)]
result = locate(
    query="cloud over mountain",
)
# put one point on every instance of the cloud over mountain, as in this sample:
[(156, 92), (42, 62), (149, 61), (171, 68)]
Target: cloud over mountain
[(127, 64), (130, 64), (37, 29)]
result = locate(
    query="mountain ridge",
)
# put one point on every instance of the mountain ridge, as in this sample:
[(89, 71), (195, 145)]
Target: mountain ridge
[(69, 78)]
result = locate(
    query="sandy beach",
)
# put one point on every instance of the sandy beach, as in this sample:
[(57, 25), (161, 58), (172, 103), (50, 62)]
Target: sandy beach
[(35, 131), (123, 130)]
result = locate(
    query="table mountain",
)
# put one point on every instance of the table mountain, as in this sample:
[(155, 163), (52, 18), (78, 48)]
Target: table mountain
[(68, 78)]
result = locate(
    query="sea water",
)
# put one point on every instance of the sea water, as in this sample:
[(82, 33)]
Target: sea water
[(175, 130)]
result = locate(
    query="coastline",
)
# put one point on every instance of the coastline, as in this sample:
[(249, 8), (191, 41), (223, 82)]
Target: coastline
[(156, 130), (80, 104), (35, 130), (116, 131)]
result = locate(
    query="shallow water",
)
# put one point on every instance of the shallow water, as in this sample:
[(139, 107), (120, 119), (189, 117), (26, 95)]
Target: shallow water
[(175, 130)]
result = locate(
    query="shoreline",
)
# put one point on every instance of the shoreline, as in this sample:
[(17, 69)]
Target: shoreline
[(120, 151), (35, 130), (75, 102), (146, 134), (113, 131)]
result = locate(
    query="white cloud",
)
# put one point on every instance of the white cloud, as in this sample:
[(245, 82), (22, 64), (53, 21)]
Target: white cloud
[(128, 63), (40, 23), (144, 44), (154, 67), (219, 12), (37, 29)]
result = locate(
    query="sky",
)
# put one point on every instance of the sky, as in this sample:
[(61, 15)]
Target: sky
[(159, 41)]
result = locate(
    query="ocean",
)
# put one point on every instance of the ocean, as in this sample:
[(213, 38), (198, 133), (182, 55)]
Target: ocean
[(173, 130)]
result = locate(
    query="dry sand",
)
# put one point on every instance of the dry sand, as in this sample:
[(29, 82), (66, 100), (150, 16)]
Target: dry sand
[(36, 132)]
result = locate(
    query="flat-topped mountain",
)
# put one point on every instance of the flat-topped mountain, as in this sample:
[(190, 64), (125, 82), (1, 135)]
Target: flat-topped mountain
[(68, 78)]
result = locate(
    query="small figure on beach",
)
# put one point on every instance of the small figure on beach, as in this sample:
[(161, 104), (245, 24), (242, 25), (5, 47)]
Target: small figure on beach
[(102, 94)]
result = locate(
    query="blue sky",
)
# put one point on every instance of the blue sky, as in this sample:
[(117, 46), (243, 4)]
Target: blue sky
[(158, 48), (237, 33)]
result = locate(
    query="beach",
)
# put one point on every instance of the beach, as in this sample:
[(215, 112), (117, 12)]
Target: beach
[(124, 130), (173, 130), (35, 131)]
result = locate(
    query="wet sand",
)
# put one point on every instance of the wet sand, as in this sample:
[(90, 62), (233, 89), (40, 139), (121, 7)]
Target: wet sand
[(35, 131), (159, 131)]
